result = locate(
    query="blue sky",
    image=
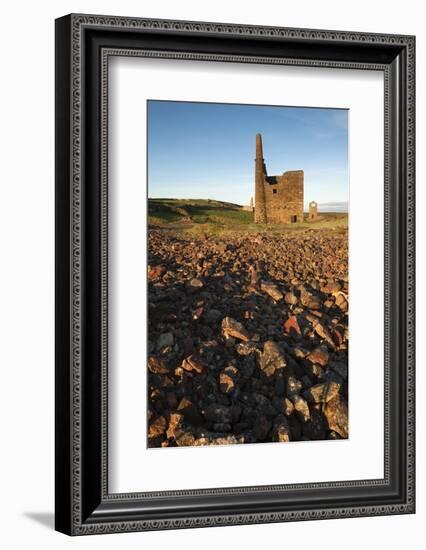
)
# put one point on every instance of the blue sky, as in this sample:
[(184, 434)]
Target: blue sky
[(206, 150)]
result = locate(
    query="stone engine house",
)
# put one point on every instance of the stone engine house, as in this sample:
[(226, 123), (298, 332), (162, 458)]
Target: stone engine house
[(278, 199)]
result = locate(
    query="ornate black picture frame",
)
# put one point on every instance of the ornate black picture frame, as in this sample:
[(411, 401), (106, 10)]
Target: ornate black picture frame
[(83, 45)]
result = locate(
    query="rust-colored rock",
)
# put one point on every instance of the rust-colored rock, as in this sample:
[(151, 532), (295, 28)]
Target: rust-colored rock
[(336, 413), (341, 301), (175, 429), (290, 298), (157, 428), (194, 363), (227, 379), (272, 290), (156, 365), (288, 406), (156, 272), (318, 355), (322, 393), (301, 407), (246, 348), (323, 332), (231, 327), (187, 439), (272, 358), (291, 327)]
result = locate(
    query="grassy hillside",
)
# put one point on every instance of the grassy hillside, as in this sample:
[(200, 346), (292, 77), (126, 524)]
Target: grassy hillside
[(210, 217), (196, 211)]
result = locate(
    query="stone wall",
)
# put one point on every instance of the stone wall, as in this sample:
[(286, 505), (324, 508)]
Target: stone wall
[(284, 199)]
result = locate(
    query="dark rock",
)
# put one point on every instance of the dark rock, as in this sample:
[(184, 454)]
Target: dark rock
[(340, 368), (165, 340), (295, 427), (222, 427), (212, 315), (306, 381), (171, 400), (281, 430), (315, 429), (263, 405), (261, 427), (218, 414), (279, 388), (331, 376), (197, 313), (190, 412), (294, 386)]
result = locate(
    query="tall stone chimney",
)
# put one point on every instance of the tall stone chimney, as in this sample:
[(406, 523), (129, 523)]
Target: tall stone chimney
[(260, 172)]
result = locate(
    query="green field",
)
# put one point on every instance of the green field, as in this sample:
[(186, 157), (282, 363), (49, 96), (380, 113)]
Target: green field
[(212, 217)]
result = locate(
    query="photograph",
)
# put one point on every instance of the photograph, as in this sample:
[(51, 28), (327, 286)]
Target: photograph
[(248, 279)]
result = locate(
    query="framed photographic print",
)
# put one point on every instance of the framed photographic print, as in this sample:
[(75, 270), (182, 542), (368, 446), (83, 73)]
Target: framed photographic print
[(234, 274)]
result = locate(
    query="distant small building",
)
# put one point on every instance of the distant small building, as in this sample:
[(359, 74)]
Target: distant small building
[(313, 211)]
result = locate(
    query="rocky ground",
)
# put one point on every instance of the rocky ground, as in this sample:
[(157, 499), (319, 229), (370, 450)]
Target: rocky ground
[(247, 338)]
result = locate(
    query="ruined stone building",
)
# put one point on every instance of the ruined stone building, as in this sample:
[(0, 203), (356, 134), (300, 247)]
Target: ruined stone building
[(313, 211), (278, 199)]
